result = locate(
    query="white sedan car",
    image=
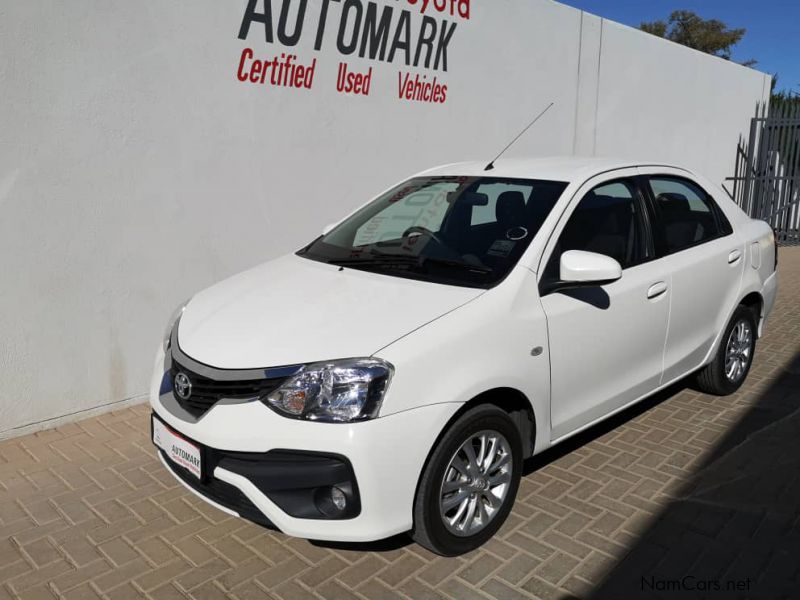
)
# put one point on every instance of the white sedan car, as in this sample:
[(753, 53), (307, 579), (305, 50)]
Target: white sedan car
[(393, 375)]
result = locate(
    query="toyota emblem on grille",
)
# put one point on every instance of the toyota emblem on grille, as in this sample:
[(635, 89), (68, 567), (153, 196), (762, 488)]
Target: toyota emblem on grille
[(182, 386)]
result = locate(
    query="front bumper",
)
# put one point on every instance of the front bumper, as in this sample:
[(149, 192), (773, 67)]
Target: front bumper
[(298, 482), (219, 494), (383, 457)]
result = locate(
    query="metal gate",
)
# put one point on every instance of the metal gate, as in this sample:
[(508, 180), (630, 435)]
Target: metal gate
[(767, 180)]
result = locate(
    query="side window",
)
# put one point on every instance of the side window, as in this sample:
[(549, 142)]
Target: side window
[(608, 220), (687, 213)]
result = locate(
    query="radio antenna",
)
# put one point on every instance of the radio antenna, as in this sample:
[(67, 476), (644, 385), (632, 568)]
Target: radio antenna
[(490, 166)]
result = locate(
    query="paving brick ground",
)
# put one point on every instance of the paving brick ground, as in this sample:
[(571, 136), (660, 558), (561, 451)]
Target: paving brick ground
[(682, 485)]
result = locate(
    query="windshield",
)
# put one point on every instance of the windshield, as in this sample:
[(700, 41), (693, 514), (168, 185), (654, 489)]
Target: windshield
[(467, 231)]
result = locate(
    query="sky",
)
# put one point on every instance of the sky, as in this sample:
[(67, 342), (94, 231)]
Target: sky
[(773, 27)]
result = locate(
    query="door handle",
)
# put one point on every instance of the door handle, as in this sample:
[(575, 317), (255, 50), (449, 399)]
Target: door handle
[(734, 256), (656, 290)]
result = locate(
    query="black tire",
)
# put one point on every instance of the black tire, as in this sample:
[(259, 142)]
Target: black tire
[(712, 379), (429, 529)]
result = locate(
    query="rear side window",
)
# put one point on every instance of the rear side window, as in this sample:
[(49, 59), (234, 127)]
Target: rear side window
[(688, 214)]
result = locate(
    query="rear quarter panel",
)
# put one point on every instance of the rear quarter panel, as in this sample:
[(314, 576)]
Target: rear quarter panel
[(760, 275), (757, 238)]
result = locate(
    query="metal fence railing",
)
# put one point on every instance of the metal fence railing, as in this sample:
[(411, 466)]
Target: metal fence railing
[(767, 180)]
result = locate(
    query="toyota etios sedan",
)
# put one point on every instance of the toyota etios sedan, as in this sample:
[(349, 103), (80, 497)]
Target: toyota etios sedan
[(392, 375)]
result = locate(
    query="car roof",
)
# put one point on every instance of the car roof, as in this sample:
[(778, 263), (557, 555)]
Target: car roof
[(558, 168)]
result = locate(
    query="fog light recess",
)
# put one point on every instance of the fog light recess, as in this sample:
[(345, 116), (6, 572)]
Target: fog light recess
[(335, 501), (338, 498)]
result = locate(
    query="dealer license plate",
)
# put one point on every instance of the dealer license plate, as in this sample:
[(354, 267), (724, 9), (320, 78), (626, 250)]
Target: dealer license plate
[(179, 450)]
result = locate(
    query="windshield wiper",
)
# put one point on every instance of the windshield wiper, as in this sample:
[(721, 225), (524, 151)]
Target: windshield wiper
[(373, 257), (399, 260), (380, 263), (445, 262)]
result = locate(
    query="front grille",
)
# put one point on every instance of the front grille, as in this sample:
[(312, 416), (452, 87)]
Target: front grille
[(207, 392), (222, 493)]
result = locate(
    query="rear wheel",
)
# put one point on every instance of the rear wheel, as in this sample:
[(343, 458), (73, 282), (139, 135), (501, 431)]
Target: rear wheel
[(731, 364), (469, 484)]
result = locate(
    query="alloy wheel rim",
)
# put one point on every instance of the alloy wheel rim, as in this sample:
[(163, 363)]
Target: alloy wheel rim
[(476, 483), (738, 351)]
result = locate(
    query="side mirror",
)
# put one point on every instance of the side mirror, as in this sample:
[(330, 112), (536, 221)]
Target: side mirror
[(327, 229), (579, 267)]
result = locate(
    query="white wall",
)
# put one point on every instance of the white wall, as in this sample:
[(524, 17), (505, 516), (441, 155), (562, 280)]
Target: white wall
[(136, 169)]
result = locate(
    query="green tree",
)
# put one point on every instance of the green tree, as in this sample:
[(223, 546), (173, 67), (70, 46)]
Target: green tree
[(690, 29), (782, 97)]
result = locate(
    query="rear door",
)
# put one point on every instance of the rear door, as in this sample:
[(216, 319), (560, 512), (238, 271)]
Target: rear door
[(705, 262), (606, 342)]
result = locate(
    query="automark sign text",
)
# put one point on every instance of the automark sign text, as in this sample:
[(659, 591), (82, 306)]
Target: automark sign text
[(386, 32), (363, 28)]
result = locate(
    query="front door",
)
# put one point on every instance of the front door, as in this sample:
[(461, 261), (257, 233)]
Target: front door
[(606, 342)]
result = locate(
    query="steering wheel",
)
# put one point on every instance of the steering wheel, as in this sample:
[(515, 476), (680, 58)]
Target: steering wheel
[(425, 231), (443, 250)]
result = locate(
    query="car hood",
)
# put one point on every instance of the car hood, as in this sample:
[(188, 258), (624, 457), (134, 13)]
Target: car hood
[(293, 310)]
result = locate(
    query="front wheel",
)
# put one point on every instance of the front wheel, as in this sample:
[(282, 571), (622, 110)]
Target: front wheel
[(731, 364), (469, 484)]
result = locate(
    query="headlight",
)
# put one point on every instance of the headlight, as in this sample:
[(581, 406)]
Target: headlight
[(174, 318), (337, 391)]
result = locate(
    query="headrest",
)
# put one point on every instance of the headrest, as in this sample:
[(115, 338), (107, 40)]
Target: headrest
[(595, 200), (603, 200), (510, 208), (673, 202)]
